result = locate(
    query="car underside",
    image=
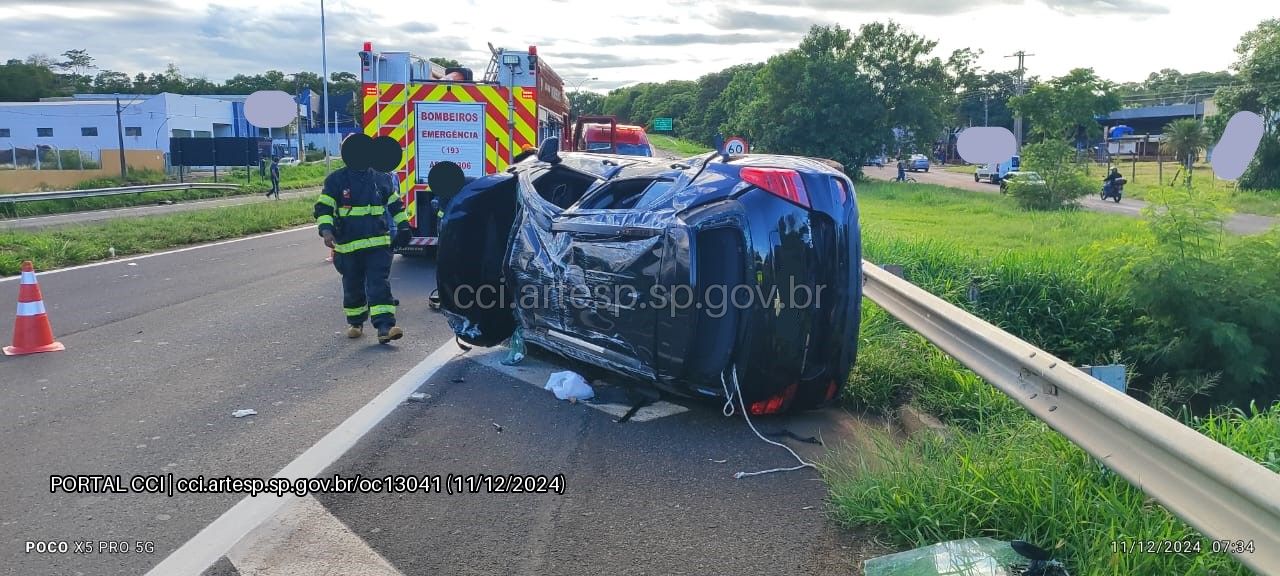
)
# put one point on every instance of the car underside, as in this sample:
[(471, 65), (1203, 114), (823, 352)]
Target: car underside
[(706, 277)]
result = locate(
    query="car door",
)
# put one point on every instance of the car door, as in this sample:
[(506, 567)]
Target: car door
[(613, 252)]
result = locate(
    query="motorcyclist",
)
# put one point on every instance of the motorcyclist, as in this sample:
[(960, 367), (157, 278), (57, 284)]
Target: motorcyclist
[(1108, 183)]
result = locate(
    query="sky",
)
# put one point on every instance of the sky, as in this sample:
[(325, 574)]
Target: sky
[(621, 43)]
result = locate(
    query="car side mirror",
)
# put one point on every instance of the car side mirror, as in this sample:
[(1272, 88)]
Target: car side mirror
[(549, 151)]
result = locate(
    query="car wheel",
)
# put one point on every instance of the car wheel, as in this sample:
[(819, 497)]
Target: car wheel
[(926, 170), (975, 178)]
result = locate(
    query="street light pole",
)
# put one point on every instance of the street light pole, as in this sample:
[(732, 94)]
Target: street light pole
[(324, 65)]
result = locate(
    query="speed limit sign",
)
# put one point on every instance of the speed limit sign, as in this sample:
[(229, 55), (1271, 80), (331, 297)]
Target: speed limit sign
[(736, 145)]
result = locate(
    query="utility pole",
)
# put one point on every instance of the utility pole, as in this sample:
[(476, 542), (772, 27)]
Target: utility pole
[(324, 71), (119, 134), (986, 112), (298, 88), (1021, 55)]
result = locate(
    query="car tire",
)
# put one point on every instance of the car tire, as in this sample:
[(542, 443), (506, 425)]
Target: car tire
[(976, 179)]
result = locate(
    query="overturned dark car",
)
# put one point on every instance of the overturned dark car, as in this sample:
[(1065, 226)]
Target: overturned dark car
[(713, 276)]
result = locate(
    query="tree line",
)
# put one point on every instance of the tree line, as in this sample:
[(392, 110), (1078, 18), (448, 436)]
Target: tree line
[(849, 94)]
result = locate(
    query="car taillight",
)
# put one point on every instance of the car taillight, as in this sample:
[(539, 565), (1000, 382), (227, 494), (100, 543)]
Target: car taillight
[(780, 182), (775, 404)]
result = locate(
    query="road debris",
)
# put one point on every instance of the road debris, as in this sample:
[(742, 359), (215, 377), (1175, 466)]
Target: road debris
[(458, 380), (568, 384), (718, 461), (244, 412), (419, 397), (498, 426)]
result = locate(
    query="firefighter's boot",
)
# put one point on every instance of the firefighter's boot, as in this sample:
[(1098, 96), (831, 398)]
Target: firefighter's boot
[(389, 334), (354, 331)]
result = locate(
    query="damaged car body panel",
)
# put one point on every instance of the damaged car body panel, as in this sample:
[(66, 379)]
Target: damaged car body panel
[(685, 274)]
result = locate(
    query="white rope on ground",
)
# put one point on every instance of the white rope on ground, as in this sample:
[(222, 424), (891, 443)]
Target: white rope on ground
[(740, 475)]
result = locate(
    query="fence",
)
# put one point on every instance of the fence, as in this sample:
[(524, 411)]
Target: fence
[(27, 169)]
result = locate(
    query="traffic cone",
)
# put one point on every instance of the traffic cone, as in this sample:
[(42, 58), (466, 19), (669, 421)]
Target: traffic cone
[(31, 331)]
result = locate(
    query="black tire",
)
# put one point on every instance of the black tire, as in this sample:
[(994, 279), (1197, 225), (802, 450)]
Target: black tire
[(1117, 199), (976, 179)]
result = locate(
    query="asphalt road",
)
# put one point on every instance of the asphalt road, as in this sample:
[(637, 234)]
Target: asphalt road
[(161, 350), (1238, 224), (55, 220)]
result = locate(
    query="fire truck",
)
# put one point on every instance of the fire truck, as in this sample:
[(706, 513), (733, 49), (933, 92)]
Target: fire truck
[(442, 114)]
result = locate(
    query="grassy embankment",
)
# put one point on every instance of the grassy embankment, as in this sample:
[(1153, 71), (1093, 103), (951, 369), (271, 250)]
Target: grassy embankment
[(1145, 177), (74, 245), (677, 146), (1001, 472), (291, 178)]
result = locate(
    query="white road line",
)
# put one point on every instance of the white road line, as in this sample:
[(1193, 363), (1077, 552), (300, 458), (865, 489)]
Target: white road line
[(202, 551), (536, 372), (154, 254), (305, 539)]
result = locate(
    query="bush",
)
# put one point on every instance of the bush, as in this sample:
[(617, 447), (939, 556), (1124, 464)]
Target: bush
[(314, 156), (1064, 180), (1213, 304)]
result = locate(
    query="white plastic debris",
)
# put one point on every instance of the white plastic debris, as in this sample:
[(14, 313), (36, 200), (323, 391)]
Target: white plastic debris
[(245, 412), (569, 385), (419, 397)]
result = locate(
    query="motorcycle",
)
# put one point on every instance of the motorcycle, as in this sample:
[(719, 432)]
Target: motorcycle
[(1114, 191)]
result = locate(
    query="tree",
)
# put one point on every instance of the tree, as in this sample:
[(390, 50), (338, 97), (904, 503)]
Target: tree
[(77, 61), (1064, 180), (1259, 73), (110, 82), (913, 86), (1186, 138), (814, 101), (25, 82), (586, 103), (1066, 107), (987, 100)]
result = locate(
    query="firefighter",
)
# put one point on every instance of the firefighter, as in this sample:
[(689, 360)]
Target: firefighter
[(351, 217)]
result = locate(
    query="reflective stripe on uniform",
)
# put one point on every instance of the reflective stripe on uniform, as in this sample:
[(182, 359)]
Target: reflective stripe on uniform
[(362, 211), (322, 220), (401, 218), (31, 308), (327, 201), (355, 311), (361, 244), (395, 197), (382, 309)]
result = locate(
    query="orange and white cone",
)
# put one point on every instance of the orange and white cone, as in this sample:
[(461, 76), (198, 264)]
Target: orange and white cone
[(31, 331)]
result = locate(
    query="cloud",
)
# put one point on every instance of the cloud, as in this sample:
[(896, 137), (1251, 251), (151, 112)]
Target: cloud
[(418, 28), (1083, 7), (952, 7), (598, 61), (690, 39), (735, 19)]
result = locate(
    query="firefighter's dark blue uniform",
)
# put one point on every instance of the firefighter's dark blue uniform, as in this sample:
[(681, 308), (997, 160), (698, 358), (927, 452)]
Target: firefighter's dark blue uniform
[(354, 206)]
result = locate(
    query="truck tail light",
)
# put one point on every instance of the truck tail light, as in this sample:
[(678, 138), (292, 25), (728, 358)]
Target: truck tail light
[(533, 50), (368, 46), (780, 182)]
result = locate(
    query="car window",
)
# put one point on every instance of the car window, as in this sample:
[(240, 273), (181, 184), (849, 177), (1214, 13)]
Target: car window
[(626, 194)]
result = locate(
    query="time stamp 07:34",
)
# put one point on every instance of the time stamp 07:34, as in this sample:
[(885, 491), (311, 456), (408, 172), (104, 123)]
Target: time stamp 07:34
[(1182, 546)]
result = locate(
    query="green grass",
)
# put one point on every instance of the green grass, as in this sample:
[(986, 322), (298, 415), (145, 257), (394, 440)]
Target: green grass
[(1023, 480), (677, 145), (82, 244), (981, 224), (291, 178), (1002, 473)]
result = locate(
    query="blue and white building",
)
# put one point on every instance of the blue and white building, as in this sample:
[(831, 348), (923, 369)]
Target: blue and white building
[(88, 122)]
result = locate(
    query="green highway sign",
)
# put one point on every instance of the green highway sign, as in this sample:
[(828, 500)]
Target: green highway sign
[(662, 124)]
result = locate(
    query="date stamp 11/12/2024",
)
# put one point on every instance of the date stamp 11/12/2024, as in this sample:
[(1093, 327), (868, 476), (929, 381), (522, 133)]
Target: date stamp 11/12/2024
[(1190, 546)]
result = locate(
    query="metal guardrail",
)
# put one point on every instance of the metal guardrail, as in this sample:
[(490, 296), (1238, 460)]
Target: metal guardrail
[(1219, 492), (72, 194)]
